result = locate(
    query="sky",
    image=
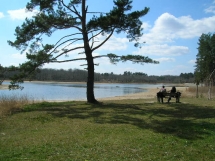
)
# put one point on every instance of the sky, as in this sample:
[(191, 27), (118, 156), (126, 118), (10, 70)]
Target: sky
[(171, 32)]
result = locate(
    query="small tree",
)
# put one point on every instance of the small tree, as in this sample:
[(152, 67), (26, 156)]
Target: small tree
[(55, 15)]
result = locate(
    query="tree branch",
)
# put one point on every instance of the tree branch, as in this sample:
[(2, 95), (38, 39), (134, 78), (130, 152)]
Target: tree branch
[(68, 51), (73, 11), (66, 36), (95, 34), (133, 58), (76, 12), (75, 39), (98, 12), (63, 61), (104, 40), (60, 28)]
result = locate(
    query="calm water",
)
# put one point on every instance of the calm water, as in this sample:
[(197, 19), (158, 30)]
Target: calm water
[(74, 91)]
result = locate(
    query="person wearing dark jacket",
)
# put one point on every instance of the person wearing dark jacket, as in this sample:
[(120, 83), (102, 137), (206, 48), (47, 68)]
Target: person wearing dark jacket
[(173, 90)]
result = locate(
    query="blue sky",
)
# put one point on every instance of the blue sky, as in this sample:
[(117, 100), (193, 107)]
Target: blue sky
[(171, 32)]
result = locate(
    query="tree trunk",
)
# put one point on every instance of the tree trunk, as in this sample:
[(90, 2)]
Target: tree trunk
[(209, 90), (90, 80), (89, 57), (197, 91)]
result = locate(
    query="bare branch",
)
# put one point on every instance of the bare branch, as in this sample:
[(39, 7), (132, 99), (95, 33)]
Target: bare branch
[(73, 11), (101, 56), (97, 12), (68, 51), (92, 41), (64, 43), (63, 61), (104, 40), (78, 28), (95, 34), (87, 64), (67, 36), (83, 52), (75, 40), (76, 12), (83, 65)]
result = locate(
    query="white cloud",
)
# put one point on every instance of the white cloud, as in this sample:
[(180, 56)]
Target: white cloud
[(210, 9), (168, 28), (162, 50), (15, 59), (146, 26), (163, 59), (1, 15), (113, 44), (21, 14)]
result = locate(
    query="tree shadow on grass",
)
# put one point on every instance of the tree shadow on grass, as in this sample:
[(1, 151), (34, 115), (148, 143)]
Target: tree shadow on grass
[(185, 121)]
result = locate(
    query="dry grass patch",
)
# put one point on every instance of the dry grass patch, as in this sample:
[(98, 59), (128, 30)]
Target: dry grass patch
[(10, 104), (202, 91)]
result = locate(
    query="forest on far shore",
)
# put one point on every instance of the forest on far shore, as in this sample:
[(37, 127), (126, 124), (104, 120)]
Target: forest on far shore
[(77, 75)]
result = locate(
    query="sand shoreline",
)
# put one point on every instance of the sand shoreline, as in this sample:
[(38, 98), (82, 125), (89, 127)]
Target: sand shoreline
[(149, 94), (2, 87)]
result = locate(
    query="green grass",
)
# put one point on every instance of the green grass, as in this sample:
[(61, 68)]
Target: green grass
[(140, 130)]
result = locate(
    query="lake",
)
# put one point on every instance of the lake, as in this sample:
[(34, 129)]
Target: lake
[(75, 91)]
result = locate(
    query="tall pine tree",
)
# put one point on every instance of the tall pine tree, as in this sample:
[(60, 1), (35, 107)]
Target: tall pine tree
[(56, 15), (205, 59)]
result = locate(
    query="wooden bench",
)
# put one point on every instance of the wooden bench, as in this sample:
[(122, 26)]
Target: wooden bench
[(161, 95)]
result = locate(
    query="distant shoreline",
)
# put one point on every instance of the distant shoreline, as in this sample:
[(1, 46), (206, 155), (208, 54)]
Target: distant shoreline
[(166, 84), (4, 86)]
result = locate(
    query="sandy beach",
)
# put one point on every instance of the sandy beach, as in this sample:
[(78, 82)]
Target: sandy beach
[(150, 93), (3, 86)]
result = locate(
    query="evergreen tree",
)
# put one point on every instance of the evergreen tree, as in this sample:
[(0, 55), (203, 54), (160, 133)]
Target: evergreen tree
[(56, 15), (205, 59)]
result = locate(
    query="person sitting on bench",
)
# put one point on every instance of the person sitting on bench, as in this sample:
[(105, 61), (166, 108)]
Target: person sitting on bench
[(161, 95), (173, 90)]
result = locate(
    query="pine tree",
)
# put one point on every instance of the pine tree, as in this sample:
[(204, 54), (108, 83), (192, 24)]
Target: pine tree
[(56, 15), (205, 59)]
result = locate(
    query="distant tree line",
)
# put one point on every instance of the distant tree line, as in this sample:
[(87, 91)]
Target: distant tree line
[(77, 75), (6, 73)]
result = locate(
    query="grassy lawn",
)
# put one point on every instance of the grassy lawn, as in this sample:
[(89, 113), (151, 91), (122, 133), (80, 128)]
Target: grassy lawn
[(140, 130)]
